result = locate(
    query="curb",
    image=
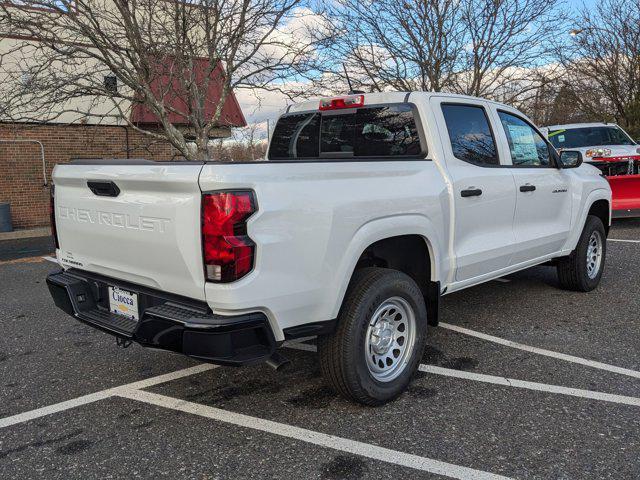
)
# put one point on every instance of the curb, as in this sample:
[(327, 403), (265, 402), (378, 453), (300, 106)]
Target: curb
[(27, 233)]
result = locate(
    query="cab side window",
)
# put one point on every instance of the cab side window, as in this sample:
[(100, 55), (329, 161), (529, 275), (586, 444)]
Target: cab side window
[(470, 134), (528, 148)]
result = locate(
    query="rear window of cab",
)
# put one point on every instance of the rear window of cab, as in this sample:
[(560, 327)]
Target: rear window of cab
[(386, 131)]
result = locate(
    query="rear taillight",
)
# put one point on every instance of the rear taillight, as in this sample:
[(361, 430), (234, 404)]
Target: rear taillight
[(227, 249), (52, 217)]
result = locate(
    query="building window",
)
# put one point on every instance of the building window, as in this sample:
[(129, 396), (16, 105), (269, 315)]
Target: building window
[(111, 83)]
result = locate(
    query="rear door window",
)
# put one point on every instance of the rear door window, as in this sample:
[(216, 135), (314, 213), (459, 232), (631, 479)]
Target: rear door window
[(470, 134), (384, 131)]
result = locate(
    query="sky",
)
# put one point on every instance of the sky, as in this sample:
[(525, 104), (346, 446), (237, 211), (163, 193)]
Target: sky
[(258, 107)]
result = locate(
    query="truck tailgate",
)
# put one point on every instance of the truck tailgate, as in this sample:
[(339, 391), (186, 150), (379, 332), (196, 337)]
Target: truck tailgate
[(149, 233)]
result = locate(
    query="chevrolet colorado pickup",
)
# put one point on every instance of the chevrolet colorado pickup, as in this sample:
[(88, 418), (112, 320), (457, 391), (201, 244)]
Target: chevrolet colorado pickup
[(366, 211)]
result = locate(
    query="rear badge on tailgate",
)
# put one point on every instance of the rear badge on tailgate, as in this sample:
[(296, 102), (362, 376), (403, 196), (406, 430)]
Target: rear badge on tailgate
[(114, 219), (123, 302)]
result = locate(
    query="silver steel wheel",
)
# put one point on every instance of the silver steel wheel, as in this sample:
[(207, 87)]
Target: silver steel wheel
[(390, 339), (594, 255)]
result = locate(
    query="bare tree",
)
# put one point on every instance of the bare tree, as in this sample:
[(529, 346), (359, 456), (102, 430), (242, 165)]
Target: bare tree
[(602, 62), (398, 44), (489, 48), (245, 146), (178, 59), (506, 43)]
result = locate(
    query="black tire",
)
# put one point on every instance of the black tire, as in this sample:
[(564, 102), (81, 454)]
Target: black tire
[(572, 270), (342, 354)]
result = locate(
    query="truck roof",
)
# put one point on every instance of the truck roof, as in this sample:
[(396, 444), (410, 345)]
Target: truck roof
[(387, 97)]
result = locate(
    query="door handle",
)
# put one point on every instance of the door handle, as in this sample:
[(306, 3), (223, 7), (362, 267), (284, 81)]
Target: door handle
[(103, 188), (471, 192), (527, 188)]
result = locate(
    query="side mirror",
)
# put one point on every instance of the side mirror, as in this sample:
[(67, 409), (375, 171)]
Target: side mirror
[(570, 159)]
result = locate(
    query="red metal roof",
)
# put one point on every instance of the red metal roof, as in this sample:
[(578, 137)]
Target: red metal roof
[(169, 87)]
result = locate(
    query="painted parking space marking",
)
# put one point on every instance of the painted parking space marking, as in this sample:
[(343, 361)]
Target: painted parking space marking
[(312, 437), (622, 240), (540, 387), (22, 260), (50, 409), (94, 397), (541, 351), (507, 382), (133, 391)]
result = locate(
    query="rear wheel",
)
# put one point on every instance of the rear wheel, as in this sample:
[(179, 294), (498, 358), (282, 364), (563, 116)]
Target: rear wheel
[(582, 270), (380, 337)]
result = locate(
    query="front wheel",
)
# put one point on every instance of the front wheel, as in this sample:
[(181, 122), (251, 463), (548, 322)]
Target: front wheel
[(582, 270), (380, 337)]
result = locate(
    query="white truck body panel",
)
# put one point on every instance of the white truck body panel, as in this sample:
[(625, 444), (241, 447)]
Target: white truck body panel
[(314, 222), (148, 235), (315, 218)]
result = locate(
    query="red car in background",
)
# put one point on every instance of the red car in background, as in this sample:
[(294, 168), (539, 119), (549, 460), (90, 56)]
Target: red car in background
[(609, 148)]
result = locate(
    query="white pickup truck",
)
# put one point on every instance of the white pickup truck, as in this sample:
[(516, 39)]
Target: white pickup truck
[(367, 210)]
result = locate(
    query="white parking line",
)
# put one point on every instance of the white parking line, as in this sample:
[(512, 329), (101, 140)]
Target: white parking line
[(309, 436), (507, 382), (542, 351), (58, 407), (132, 391), (541, 387), (622, 240), (94, 397)]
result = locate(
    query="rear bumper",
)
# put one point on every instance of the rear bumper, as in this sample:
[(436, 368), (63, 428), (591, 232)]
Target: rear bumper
[(166, 322)]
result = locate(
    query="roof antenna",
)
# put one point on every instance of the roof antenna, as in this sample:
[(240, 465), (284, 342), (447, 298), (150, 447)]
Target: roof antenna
[(346, 74)]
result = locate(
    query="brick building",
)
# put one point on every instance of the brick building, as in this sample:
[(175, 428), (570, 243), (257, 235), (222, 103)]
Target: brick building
[(24, 145), (22, 176)]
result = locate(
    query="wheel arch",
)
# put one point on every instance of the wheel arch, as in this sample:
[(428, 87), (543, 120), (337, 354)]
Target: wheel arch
[(403, 253), (598, 202), (383, 242), (601, 209)]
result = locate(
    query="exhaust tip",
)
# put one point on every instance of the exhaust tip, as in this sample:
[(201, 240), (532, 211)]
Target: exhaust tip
[(277, 361)]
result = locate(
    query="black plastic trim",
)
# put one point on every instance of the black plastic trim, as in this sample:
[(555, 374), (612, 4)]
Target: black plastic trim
[(625, 213), (310, 329), (130, 161), (433, 303), (476, 192), (103, 188), (167, 321), (328, 160)]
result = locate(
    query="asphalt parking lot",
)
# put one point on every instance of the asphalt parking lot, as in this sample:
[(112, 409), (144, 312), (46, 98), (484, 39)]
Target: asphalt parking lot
[(522, 380)]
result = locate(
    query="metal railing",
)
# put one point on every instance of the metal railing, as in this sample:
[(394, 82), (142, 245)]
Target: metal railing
[(38, 142)]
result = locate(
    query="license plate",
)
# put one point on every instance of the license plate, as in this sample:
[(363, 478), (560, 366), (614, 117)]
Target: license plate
[(123, 302)]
